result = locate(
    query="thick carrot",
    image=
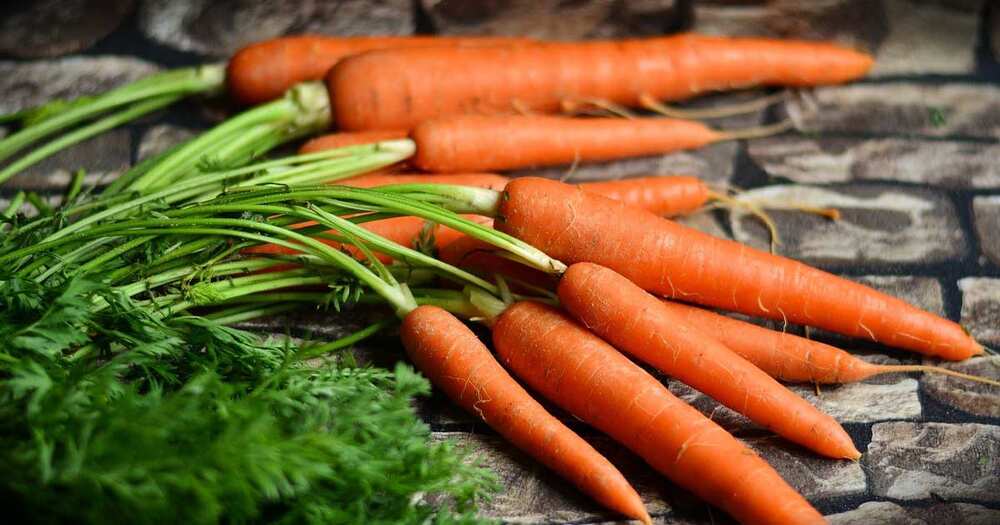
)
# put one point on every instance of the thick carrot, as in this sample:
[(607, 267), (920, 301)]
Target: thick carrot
[(634, 321), (340, 140), (457, 362), (791, 358), (669, 196), (682, 263), (581, 373), (507, 142), (397, 89), (264, 70)]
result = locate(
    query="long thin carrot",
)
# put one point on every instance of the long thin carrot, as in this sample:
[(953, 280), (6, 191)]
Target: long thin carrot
[(636, 322), (457, 362), (397, 89), (581, 373), (682, 263), (791, 358), (506, 142), (264, 70)]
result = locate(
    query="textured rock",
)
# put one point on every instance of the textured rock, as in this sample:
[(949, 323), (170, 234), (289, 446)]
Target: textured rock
[(713, 164), (902, 108), (887, 513), (863, 402), (975, 398), (981, 309), (825, 160), (878, 225), (814, 477), (905, 36), (160, 138), (47, 28), (909, 461), (551, 19), (987, 219), (31, 83), (103, 157), (220, 28)]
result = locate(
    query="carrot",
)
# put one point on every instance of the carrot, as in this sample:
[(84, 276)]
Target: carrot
[(340, 140), (264, 70), (668, 196), (505, 142), (791, 358), (581, 373), (398, 88), (666, 258), (636, 322), (482, 258), (455, 361)]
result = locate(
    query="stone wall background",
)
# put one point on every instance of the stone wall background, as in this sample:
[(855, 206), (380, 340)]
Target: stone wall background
[(911, 156)]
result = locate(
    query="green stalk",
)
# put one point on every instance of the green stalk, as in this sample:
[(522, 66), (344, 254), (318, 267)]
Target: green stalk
[(304, 109), (344, 342), (172, 85), (14, 205), (247, 312)]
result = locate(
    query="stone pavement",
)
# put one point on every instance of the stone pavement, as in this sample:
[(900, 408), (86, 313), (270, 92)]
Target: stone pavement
[(910, 156)]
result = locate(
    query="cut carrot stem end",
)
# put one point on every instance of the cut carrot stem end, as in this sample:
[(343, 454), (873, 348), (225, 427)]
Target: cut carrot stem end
[(886, 369)]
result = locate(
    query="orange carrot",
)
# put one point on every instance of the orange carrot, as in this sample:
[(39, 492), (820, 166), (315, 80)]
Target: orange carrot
[(666, 258), (581, 373), (398, 88), (667, 196), (507, 142), (791, 358), (340, 140), (455, 361), (636, 322), (264, 70)]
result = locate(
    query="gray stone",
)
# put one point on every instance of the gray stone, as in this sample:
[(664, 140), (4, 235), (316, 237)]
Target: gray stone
[(551, 19), (987, 219), (825, 160), (925, 39), (103, 157), (713, 164), (888, 513), (981, 309), (47, 28), (814, 477), (878, 225), (220, 28), (911, 461), (160, 138), (975, 398), (32, 83), (892, 397), (532, 494), (902, 108)]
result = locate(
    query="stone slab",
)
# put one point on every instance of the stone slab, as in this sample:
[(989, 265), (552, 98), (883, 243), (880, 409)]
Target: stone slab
[(986, 216), (981, 309)]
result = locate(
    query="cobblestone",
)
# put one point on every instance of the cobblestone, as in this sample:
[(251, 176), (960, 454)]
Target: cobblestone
[(878, 225), (47, 28), (27, 84), (986, 211), (981, 309), (888, 513), (975, 398)]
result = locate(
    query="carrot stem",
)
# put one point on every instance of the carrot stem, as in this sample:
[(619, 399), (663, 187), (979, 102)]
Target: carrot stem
[(936, 370), (728, 110)]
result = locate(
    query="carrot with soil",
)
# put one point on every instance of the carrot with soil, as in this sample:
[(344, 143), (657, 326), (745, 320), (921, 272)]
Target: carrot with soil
[(584, 375), (397, 89), (637, 323), (795, 359), (457, 362)]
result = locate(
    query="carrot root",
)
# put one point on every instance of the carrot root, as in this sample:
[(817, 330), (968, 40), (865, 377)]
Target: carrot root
[(886, 369), (648, 102)]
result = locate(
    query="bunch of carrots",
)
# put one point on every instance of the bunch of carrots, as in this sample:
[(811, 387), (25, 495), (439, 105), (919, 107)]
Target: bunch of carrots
[(624, 279)]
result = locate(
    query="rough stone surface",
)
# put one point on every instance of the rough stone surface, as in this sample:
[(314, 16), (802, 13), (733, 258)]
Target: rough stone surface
[(910, 461), (31, 83), (927, 38), (878, 225), (981, 309), (160, 138), (814, 477), (47, 28), (103, 157), (949, 109), (552, 19), (986, 211), (887, 513), (829, 159), (975, 398), (220, 28), (864, 402)]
